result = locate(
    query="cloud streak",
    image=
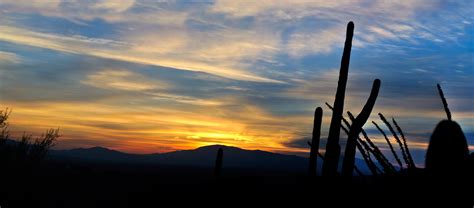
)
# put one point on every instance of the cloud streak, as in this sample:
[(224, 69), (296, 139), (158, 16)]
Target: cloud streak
[(107, 49)]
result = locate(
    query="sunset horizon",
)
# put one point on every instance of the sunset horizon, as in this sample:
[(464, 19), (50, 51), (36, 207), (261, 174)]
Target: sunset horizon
[(147, 77), (139, 103)]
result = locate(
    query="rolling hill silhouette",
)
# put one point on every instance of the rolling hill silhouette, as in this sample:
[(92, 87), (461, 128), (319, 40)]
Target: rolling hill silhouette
[(205, 156)]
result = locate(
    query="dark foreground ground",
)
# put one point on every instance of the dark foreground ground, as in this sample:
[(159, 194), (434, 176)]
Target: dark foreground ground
[(80, 184)]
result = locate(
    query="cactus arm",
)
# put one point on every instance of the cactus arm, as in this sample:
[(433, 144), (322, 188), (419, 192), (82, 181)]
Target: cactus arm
[(360, 145), (349, 155), (383, 161)]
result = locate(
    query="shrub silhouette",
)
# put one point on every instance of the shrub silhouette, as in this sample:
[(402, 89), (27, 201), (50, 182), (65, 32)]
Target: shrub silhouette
[(448, 150), (4, 134), (389, 144), (402, 149), (25, 152), (411, 163)]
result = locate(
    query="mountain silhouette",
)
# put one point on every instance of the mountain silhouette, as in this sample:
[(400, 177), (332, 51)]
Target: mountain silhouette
[(94, 154), (205, 156)]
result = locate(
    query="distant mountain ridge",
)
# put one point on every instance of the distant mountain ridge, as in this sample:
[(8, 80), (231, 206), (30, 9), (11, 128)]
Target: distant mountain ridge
[(205, 156)]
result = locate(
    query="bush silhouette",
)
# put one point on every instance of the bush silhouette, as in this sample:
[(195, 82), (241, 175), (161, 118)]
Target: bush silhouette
[(25, 152), (448, 150)]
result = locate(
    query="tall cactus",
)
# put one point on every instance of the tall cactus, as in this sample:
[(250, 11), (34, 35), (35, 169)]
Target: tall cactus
[(313, 160), (356, 128), (333, 149), (218, 165)]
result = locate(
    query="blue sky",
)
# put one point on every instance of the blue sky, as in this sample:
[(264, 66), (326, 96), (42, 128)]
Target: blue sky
[(151, 76)]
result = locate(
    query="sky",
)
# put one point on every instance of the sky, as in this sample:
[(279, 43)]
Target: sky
[(147, 76)]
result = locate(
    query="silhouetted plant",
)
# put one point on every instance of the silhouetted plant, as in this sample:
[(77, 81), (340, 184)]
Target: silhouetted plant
[(365, 155), (448, 151), (42, 144), (404, 154), (4, 134), (318, 115), (34, 151), (362, 150), (5, 155), (445, 104), (25, 151), (407, 150), (389, 144), (383, 161), (4, 114), (356, 128), (22, 147), (333, 149), (356, 169), (218, 165)]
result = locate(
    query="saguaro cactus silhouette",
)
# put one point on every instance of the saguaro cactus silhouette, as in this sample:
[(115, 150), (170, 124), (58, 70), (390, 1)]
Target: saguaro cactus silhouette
[(333, 149), (313, 160), (218, 165), (356, 128)]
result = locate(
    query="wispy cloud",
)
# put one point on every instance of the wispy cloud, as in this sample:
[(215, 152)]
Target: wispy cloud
[(122, 80), (7, 57), (111, 50)]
